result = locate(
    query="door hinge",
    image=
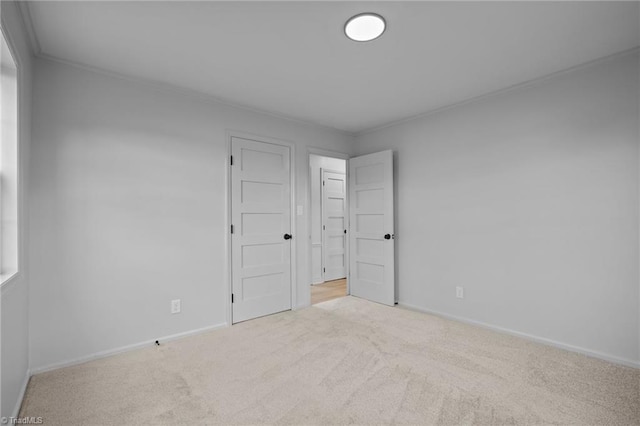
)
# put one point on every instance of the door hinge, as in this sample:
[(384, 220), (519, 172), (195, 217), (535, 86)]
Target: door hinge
[(323, 228), (232, 160), (232, 229), (231, 297), (324, 269), (322, 183)]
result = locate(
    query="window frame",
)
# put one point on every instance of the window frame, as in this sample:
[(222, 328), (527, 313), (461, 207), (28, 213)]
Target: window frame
[(6, 279)]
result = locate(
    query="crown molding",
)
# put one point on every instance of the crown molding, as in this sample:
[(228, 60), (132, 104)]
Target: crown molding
[(27, 20), (190, 93), (208, 98), (502, 91), (36, 49)]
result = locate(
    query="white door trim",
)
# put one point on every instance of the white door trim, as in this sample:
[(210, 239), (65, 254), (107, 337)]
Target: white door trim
[(228, 274), (325, 153)]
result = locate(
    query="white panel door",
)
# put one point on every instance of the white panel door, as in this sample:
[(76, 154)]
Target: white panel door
[(261, 218), (371, 273), (334, 225)]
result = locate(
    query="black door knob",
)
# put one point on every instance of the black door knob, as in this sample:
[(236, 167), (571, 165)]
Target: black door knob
[(387, 237), (287, 236)]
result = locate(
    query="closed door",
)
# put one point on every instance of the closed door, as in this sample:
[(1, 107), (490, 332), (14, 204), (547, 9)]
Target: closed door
[(261, 228), (371, 272), (334, 225)]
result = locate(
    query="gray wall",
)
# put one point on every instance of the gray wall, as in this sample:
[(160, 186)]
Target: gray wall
[(128, 210), (14, 330), (529, 200)]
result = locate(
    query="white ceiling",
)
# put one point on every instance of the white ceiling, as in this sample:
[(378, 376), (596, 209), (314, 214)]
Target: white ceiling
[(292, 58)]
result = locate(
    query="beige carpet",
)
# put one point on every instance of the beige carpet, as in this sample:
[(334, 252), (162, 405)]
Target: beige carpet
[(339, 362)]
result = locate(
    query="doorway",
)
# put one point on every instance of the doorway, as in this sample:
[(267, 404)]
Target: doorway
[(329, 227)]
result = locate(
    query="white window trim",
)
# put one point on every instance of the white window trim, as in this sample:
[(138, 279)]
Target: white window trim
[(6, 280)]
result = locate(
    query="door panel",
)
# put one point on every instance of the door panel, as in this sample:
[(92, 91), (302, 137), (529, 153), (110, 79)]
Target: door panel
[(371, 215), (261, 215), (334, 205)]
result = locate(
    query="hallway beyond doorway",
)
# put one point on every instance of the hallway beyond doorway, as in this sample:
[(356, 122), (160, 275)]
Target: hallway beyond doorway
[(328, 291)]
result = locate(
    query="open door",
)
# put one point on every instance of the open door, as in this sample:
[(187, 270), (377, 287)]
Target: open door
[(371, 243), (334, 225)]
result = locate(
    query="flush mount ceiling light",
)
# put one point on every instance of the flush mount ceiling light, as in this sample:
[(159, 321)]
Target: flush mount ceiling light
[(365, 27)]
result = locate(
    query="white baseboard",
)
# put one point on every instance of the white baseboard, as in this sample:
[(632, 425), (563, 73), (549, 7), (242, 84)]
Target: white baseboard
[(109, 352), (595, 354), (23, 390)]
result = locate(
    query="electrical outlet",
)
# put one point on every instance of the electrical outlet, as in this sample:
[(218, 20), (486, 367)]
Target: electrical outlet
[(175, 306), (460, 292)]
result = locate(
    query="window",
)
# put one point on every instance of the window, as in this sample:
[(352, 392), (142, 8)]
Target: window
[(8, 163)]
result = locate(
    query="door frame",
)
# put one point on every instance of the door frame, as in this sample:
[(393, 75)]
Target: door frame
[(228, 272), (332, 154)]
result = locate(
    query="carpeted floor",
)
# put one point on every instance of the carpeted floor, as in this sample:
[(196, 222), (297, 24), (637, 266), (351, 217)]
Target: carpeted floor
[(343, 361)]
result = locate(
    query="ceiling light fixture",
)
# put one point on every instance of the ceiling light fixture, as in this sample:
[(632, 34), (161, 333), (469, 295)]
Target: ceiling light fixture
[(365, 27)]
